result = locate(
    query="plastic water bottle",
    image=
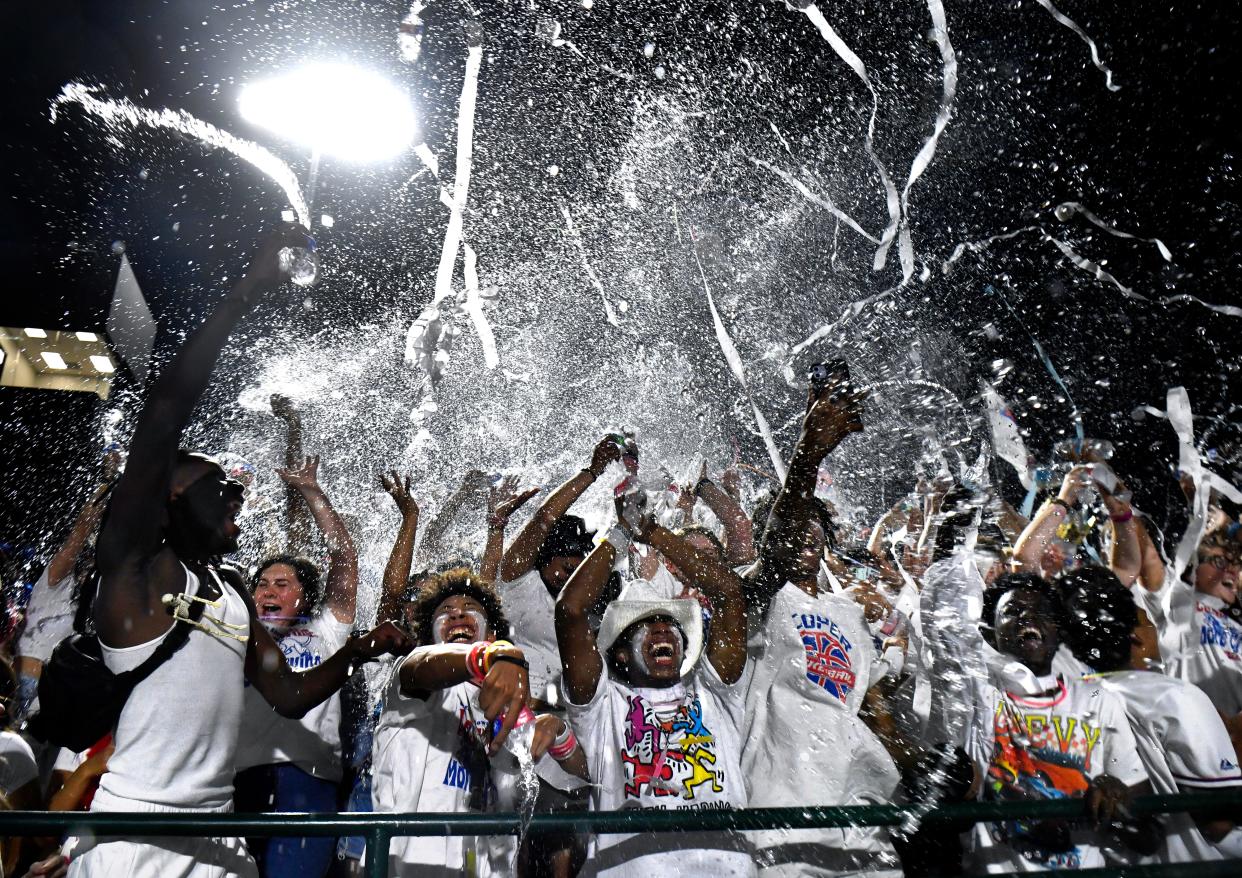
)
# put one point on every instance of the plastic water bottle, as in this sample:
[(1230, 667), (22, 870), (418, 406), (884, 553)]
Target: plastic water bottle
[(300, 263)]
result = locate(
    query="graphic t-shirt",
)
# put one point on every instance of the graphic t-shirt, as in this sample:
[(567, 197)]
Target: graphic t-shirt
[(428, 755), (810, 666), (1050, 747), (1184, 746), (1199, 641), (673, 749), (531, 611), (312, 743)]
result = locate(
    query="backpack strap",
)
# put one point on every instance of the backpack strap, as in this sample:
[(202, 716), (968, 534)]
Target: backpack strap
[(176, 638)]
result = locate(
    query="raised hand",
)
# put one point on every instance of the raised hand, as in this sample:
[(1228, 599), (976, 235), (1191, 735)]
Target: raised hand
[(1075, 482), (606, 451), (398, 487), (385, 638), (264, 269), (305, 477), (504, 499), (833, 414)]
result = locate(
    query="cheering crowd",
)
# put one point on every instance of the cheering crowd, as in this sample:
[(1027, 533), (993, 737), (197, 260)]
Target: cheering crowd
[(707, 651)]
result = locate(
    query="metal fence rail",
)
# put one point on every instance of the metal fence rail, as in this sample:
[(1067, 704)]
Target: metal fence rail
[(380, 829)]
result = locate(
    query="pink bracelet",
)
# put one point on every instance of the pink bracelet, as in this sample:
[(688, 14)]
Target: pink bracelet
[(474, 663), (1124, 517), (561, 752)]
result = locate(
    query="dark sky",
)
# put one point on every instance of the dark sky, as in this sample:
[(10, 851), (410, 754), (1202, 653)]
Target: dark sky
[(1033, 126)]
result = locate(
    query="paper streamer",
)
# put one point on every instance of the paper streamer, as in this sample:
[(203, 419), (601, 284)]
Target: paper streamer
[(1067, 209), (891, 199), (735, 366), (414, 341), (474, 307), (1177, 410), (851, 311), (981, 245), (818, 200), (122, 111), (590, 272), (1006, 437), (1095, 52), (1227, 310), (948, 64), (1093, 268)]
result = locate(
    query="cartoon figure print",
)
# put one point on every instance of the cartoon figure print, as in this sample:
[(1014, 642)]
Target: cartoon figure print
[(672, 757)]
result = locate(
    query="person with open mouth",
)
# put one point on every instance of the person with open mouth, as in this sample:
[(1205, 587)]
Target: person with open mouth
[(442, 743), (659, 725)]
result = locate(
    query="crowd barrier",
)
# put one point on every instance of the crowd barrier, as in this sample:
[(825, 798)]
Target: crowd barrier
[(380, 829)]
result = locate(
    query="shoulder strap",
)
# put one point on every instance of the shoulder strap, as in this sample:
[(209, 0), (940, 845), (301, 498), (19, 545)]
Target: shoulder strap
[(176, 638)]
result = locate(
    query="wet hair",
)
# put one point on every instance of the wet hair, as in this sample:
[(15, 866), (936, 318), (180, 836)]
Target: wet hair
[(1100, 616), (306, 571), (762, 512), (567, 538), (700, 530), (1008, 582), (459, 581)]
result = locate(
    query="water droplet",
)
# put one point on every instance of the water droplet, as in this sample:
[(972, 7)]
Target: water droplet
[(553, 170), (648, 50), (1064, 212)]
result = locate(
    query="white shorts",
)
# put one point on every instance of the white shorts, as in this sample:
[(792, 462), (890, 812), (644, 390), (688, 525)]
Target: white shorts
[(165, 858), (155, 857)]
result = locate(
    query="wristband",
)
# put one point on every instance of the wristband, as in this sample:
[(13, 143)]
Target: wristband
[(511, 659), (1057, 501), (564, 745), (489, 654), (1123, 517), (474, 661)]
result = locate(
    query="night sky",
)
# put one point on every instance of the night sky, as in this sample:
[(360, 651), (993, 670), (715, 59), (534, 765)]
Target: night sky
[(1033, 126)]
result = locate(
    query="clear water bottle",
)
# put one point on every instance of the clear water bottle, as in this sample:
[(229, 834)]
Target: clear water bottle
[(300, 263)]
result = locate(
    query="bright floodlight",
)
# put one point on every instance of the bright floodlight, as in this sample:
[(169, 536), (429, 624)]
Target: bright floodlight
[(334, 109)]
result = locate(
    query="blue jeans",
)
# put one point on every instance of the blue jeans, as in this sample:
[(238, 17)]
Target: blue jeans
[(292, 789)]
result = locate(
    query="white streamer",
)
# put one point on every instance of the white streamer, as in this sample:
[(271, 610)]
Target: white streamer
[(1093, 268), (1095, 52), (982, 244), (735, 366), (1182, 420), (1227, 310), (1066, 209), (891, 199), (948, 62), (851, 311), (591, 276), (817, 200), (474, 307), (461, 190), (123, 111)]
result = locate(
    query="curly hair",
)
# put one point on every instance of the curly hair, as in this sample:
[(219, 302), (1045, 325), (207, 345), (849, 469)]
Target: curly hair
[(459, 581), (307, 573)]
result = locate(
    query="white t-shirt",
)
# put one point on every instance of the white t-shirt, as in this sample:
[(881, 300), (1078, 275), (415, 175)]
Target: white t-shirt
[(1046, 747), (1183, 744), (17, 763), (312, 743), (428, 755), (176, 739), (810, 666), (1199, 642), (49, 617), (531, 612), (675, 748)]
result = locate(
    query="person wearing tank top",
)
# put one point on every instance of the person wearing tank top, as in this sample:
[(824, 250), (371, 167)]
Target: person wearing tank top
[(812, 663), (171, 514)]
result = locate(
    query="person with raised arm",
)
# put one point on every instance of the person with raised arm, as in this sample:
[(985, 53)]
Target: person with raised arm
[(286, 764), (50, 612), (503, 499), (171, 515), (660, 726), (448, 710), (298, 527), (539, 562), (396, 593), (813, 664)]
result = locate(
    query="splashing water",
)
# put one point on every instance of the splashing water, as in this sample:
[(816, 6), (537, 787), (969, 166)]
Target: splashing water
[(121, 113)]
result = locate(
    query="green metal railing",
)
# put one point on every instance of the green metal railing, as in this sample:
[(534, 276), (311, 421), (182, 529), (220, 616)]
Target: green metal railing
[(380, 829)]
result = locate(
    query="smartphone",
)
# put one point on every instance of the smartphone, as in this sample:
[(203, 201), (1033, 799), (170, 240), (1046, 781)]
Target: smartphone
[(826, 374)]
